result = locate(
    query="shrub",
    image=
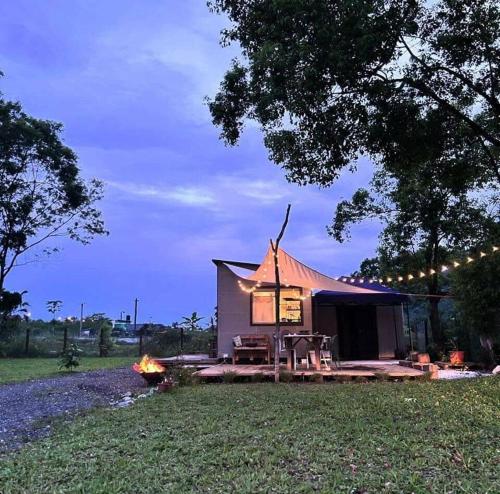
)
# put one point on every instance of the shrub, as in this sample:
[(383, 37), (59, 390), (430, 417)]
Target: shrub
[(427, 376), (381, 376), (184, 376), (317, 378), (258, 377), (343, 378), (229, 377), (360, 379), (286, 376), (105, 341), (70, 358)]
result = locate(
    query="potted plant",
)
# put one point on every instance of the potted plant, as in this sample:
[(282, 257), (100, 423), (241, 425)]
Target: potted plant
[(167, 384), (424, 358), (457, 357)]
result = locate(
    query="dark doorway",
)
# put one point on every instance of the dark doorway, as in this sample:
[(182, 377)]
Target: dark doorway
[(357, 329)]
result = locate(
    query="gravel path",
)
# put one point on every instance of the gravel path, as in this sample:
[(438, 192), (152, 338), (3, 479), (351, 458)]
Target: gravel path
[(27, 408)]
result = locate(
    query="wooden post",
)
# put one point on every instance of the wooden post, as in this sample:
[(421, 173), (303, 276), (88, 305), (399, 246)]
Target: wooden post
[(27, 342), (277, 293), (65, 339), (101, 341)]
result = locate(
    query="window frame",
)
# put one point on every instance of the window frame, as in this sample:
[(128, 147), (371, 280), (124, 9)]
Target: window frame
[(272, 288)]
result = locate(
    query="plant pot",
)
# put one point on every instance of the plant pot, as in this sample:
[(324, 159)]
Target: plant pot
[(457, 357), (414, 356), (163, 387), (424, 358)]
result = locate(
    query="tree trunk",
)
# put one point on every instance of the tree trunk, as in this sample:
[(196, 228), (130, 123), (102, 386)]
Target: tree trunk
[(437, 330), (277, 328), (433, 289), (277, 294)]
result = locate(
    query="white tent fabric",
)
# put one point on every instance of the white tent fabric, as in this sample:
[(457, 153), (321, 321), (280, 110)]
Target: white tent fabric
[(294, 273)]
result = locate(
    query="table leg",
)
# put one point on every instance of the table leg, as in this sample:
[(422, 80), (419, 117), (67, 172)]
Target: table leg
[(317, 353)]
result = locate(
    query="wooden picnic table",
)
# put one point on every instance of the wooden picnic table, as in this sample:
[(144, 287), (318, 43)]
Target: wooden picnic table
[(291, 341)]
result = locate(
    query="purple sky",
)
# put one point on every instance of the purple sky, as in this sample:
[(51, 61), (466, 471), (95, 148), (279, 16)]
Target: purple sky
[(128, 79)]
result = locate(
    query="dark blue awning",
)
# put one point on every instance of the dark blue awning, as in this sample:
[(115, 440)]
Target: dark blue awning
[(384, 296)]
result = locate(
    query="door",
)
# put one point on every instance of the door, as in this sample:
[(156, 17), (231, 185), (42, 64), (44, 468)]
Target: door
[(357, 328)]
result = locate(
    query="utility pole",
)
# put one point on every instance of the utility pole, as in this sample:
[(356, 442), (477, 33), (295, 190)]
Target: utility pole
[(136, 301), (81, 320)]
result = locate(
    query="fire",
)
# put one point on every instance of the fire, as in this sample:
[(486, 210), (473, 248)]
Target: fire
[(148, 365)]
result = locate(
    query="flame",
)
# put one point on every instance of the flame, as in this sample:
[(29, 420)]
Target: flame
[(148, 365)]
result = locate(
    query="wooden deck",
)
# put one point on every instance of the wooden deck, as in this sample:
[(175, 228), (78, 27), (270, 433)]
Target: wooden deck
[(348, 369)]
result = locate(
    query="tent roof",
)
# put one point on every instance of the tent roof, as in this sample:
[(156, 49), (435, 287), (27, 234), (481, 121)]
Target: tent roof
[(295, 273)]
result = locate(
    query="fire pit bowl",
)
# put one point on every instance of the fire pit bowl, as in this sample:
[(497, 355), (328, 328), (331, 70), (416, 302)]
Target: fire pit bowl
[(152, 378), (150, 370)]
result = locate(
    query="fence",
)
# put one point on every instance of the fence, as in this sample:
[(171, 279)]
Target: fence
[(30, 342)]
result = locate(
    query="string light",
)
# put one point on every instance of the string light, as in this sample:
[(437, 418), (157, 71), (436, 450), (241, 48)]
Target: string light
[(420, 274)]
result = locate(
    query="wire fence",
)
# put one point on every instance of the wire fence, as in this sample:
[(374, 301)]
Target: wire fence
[(30, 342)]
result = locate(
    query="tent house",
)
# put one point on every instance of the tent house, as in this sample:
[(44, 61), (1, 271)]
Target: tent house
[(366, 317)]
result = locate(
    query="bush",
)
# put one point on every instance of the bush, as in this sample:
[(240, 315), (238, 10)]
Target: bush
[(343, 378), (167, 343), (258, 377), (105, 341), (317, 378), (229, 377), (184, 376), (360, 379), (286, 376), (70, 358)]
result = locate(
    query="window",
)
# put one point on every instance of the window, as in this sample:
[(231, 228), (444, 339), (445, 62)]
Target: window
[(290, 306)]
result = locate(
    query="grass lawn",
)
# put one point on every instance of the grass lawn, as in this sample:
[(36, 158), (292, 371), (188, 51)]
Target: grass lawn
[(420, 437), (21, 369)]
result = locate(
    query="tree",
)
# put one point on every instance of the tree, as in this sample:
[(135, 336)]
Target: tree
[(42, 195), (476, 291), (192, 322), (330, 80), (426, 219), (54, 306)]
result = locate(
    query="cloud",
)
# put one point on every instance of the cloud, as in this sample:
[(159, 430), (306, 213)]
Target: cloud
[(186, 195)]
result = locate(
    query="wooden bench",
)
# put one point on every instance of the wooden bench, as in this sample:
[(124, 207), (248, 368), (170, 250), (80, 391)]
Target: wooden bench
[(253, 346)]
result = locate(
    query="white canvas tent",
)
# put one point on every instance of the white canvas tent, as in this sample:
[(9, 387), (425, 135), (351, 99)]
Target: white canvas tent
[(295, 273)]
